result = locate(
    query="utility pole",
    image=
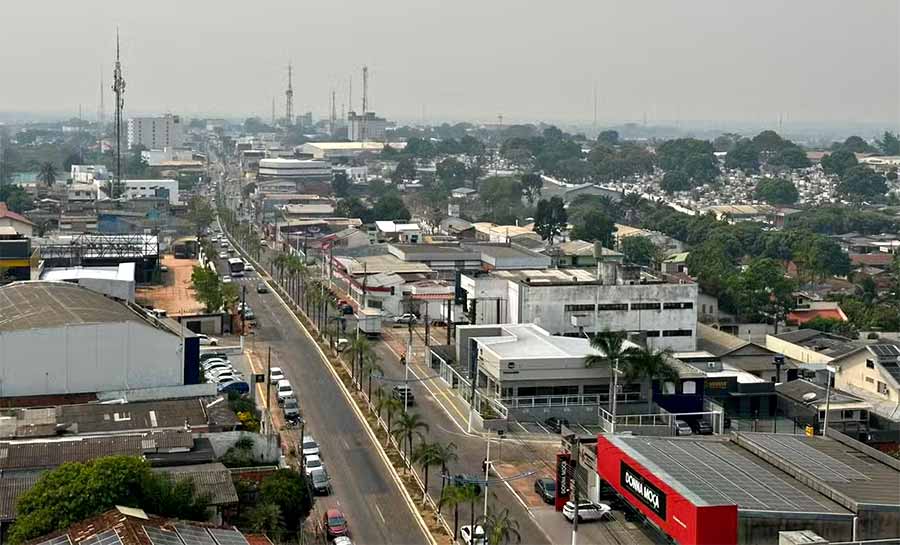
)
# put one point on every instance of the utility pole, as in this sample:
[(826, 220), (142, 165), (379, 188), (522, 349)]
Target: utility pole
[(408, 356), (487, 473), (268, 379), (333, 118), (573, 466), (119, 89), (289, 98), (365, 106)]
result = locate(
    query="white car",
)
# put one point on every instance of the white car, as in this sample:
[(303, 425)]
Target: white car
[(342, 540), (310, 447), (312, 462), (206, 340), (465, 533), (587, 510), (248, 268), (682, 428), (223, 255), (285, 390), (276, 375), (226, 279), (220, 375), (216, 366)]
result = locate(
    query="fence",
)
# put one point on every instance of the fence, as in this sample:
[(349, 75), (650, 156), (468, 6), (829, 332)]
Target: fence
[(567, 400)]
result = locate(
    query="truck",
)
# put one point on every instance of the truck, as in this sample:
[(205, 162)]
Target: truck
[(369, 321)]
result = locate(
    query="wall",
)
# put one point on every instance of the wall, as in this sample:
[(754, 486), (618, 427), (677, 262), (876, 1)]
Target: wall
[(794, 351), (266, 448), (88, 358), (853, 372)]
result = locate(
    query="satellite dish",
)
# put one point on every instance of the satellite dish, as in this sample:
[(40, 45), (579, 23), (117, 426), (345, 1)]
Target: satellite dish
[(809, 396)]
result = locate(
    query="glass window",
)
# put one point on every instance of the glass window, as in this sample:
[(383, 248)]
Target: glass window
[(644, 306), (870, 364), (612, 306), (579, 308), (689, 387), (668, 388)]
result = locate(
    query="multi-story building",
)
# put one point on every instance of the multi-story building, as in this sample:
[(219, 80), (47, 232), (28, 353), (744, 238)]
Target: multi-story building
[(366, 126), (135, 189), (301, 170), (156, 132), (86, 174), (577, 302)]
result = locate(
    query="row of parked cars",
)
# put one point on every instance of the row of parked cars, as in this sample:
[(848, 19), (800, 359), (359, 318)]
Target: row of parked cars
[(217, 369)]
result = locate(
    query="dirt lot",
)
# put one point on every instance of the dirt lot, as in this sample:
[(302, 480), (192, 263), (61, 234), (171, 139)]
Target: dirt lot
[(175, 297)]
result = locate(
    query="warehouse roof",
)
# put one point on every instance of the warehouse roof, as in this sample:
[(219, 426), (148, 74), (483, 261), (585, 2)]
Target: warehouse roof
[(31, 305), (11, 488), (212, 481)]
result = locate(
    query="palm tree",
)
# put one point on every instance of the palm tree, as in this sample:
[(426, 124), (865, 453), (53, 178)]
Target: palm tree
[(499, 527), (280, 262), (453, 496), (391, 407), (471, 492), (370, 366), (613, 350), (652, 365), (47, 174), (410, 426), (444, 455), (425, 455)]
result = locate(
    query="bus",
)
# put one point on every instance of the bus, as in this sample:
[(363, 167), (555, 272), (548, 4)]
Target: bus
[(236, 266)]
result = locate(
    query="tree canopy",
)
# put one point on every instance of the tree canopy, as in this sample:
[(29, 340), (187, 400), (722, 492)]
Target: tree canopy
[(863, 183), (639, 251), (776, 191), (502, 195), (594, 226), (889, 144), (693, 159), (550, 218), (839, 162), (287, 489)]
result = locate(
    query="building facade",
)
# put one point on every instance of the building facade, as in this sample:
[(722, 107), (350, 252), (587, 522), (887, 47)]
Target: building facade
[(366, 126), (156, 132), (136, 189), (311, 170)]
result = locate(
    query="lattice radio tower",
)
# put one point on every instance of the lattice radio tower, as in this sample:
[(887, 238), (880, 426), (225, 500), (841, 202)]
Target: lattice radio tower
[(289, 98), (119, 90)]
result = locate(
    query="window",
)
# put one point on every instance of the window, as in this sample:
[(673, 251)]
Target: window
[(652, 334), (689, 387), (579, 308), (703, 309), (870, 364), (668, 388), (374, 303), (882, 388), (612, 306), (849, 415), (870, 380), (644, 306), (673, 306), (677, 333)]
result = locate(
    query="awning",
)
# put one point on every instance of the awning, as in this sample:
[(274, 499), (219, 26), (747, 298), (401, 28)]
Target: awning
[(432, 296)]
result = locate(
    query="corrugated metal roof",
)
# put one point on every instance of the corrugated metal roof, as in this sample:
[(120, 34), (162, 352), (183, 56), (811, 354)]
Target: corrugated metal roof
[(210, 480), (30, 305), (11, 488)]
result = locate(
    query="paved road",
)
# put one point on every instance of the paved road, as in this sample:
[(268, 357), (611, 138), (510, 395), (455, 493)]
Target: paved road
[(363, 487)]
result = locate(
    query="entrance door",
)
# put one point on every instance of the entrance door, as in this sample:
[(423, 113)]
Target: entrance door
[(193, 326)]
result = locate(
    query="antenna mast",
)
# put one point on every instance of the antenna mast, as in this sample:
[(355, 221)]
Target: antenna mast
[(333, 119), (119, 89), (365, 104), (289, 97)]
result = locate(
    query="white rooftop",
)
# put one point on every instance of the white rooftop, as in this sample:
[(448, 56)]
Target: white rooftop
[(124, 272), (523, 341), (393, 227)]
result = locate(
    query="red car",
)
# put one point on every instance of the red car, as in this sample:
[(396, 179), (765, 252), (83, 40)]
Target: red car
[(335, 524)]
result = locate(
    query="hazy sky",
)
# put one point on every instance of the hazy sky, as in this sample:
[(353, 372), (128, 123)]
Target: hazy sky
[(744, 60)]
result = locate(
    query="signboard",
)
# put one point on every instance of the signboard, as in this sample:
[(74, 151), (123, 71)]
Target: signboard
[(259, 378), (645, 491), (563, 479)]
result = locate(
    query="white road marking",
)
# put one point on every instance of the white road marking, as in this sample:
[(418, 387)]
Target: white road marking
[(380, 514)]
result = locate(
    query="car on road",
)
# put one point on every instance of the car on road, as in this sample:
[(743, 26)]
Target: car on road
[(261, 287), (461, 479), (342, 540), (335, 524), (284, 391), (682, 428), (248, 268), (311, 463), (223, 255), (320, 482), (236, 386), (310, 447), (546, 489), (556, 424), (210, 355), (248, 314), (291, 409), (405, 319), (467, 537), (275, 374), (342, 344), (206, 340), (700, 427), (587, 510), (404, 394), (226, 279)]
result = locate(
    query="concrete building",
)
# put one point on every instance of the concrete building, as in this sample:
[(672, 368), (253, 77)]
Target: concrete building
[(575, 301), (301, 170), (86, 174), (392, 231), (341, 151), (116, 282), (874, 368), (17, 222), (366, 126), (58, 338), (135, 189), (15, 254), (156, 132), (81, 193)]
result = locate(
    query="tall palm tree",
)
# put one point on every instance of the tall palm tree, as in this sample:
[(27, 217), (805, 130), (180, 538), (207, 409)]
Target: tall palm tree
[(409, 427), (499, 527), (425, 455), (47, 173), (444, 454), (651, 365), (453, 496), (390, 406), (614, 351), (370, 366), (471, 492)]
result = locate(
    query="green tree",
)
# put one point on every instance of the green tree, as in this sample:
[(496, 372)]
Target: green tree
[(639, 250), (776, 191), (768, 141), (208, 287), (863, 183), (502, 196), (405, 170), (791, 157), (693, 158), (425, 456), (650, 365), (265, 518), (453, 496), (608, 137), (839, 162), (831, 325), (889, 144), (760, 288), (409, 427), (857, 144), (499, 527), (288, 490), (531, 186), (201, 214), (16, 198), (390, 207), (47, 174), (353, 207), (444, 454), (594, 226), (451, 173), (550, 218), (675, 181), (614, 352), (340, 184), (744, 155), (390, 407)]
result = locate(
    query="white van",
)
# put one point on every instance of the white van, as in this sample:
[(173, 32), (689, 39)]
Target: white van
[(284, 391)]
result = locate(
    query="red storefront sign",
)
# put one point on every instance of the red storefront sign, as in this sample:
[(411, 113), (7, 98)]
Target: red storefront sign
[(564, 476), (686, 523)]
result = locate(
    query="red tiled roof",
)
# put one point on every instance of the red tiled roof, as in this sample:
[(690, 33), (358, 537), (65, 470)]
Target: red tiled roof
[(5, 212), (878, 259), (803, 316)]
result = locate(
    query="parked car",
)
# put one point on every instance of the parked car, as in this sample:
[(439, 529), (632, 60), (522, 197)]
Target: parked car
[(210, 365), (223, 255), (342, 540), (285, 390), (311, 463), (210, 355), (546, 489), (236, 386), (404, 394), (206, 340), (248, 314), (346, 309), (226, 279), (275, 374), (462, 479), (320, 482), (335, 524), (700, 427), (465, 533), (587, 510), (310, 446), (261, 287), (221, 375), (682, 428), (556, 424), (341, 345), (291, 409), (217, 368), (248, 268), (408, 318)]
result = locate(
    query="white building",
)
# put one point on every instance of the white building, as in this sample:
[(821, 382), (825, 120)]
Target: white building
[(135, 189), (386, 231), (115, 281), (156, 132), (59, 338), (366, 126), (303, 170), (81, 192), (333, 151), (86, 174), (574, 301)]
